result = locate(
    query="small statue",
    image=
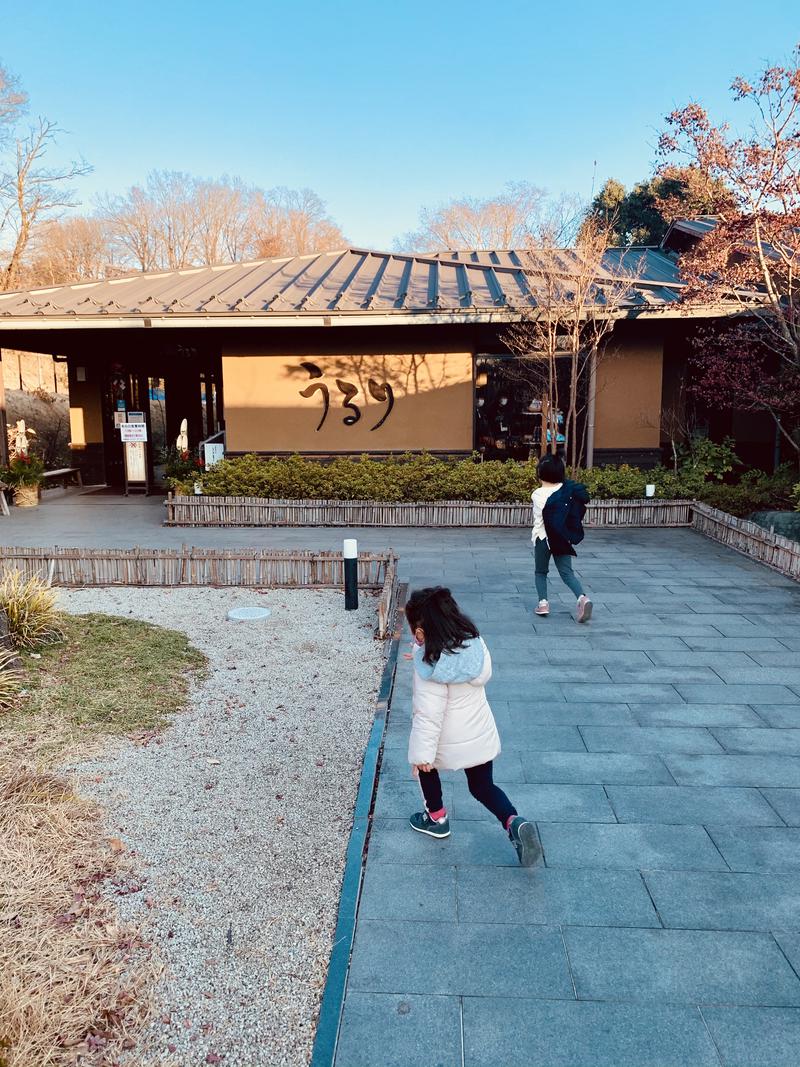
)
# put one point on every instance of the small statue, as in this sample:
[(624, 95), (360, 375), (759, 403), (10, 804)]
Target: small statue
[(182, 442)]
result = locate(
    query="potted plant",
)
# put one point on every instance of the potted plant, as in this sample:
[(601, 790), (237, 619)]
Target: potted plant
[(24, 475)]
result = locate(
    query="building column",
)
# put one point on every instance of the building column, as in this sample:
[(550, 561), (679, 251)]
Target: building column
[(3, 419)]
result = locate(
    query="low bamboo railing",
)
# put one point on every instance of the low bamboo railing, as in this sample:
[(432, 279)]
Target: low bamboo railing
[(242, 567), (260, 511), (749, 539)]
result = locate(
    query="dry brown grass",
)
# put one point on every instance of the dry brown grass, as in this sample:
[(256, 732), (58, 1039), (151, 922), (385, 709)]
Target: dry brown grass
[(73, 981)]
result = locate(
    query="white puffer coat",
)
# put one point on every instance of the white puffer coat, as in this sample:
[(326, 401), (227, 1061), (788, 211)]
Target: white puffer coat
[(452, 725)]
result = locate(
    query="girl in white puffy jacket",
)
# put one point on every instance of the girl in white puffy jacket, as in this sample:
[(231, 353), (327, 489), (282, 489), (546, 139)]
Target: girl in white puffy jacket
[(452, 726)]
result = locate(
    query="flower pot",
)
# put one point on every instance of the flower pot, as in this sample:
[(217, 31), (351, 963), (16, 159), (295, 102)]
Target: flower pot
[(26, 496)]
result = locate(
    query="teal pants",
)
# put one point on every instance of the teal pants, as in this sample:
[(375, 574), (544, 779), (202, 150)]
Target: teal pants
[(541, 555)]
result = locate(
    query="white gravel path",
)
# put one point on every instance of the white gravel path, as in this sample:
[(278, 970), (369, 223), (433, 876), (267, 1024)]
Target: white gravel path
[(238, 816)]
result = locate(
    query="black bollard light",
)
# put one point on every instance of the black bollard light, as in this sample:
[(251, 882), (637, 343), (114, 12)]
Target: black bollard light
[(350, 553)]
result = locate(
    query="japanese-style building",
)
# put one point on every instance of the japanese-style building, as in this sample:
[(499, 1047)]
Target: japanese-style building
[(349, 352)]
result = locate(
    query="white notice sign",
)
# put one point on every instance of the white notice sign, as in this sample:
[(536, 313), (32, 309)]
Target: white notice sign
[(135, 462), (213, 454), (133, 431)]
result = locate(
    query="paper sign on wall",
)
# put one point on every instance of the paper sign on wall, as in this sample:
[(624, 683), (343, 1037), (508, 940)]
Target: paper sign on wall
[(133, 431)]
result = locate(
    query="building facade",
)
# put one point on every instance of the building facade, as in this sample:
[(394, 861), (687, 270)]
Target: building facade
[(346, 352)]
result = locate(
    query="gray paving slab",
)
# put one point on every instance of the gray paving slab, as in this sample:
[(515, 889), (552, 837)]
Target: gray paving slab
[(400, 1030), (624, 641), (755, 1037), (471, 842), (645, 846), (697, 714), (680, 967), (768, 848), (750, 645), (548, 738), (398, 798), (783, 741), (599, 768), (698, 657), (786, 802), (460, 959), (718, 901), (692, 805), (550, 803), (779, 715), (549, 896), (564, 713), (563, 1034), (790, 946), (786, 675), (734, 769), (409, 891), (649, 739)]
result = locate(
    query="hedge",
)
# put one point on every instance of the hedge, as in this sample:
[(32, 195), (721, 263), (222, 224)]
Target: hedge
[(423, 477)]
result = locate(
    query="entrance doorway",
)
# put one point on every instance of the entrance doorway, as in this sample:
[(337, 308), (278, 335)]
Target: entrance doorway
[(188, 386)]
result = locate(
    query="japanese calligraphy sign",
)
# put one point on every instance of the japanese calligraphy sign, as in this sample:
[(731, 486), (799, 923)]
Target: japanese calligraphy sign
[(348, 403)]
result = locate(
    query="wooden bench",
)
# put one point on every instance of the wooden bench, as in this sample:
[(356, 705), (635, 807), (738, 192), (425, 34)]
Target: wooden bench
[(63, 476)]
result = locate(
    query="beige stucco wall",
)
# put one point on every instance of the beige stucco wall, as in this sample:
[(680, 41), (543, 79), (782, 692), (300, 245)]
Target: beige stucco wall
[(628, 405), (85, 414), (265, 412)]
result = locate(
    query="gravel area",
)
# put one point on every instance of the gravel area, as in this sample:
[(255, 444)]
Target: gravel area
[(237, 817)]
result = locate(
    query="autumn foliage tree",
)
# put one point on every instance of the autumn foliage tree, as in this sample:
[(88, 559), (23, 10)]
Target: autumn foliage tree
[(749, 264)]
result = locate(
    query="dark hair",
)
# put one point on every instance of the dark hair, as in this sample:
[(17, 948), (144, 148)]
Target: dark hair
[(551, 468), (446, 626)]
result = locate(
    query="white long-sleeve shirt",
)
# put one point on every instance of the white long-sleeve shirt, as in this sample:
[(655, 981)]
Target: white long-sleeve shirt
[(540, 497)]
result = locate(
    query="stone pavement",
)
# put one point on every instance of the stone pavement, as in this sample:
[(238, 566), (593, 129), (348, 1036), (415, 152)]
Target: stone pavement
[(658, 750)]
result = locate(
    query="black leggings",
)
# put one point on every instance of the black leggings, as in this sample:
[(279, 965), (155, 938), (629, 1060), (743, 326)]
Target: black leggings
[(481, 785)]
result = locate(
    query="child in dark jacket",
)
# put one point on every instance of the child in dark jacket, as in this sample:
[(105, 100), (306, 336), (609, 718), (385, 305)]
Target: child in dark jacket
[(558, 509)]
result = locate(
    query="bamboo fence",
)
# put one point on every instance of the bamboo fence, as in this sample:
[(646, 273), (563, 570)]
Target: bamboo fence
[(254, 568), (749, 539), (260, 511)]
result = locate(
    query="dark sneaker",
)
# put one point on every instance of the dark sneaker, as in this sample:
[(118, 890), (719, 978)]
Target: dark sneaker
[(584, 609), (525, 840), (424, 824)]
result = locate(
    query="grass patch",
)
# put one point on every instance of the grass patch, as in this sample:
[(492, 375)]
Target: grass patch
[(109, 676), (74, 981)]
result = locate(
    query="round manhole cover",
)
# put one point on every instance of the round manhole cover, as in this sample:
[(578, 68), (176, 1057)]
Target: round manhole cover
[(248, 614)]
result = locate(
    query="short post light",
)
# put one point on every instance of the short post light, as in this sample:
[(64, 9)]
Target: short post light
[(350, 554)]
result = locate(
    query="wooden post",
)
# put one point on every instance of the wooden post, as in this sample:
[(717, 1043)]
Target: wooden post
[(3, 421)]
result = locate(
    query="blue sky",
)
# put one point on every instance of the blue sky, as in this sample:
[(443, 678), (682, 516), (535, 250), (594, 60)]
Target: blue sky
[(379, 106)]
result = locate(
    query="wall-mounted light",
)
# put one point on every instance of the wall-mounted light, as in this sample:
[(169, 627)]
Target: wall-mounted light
[(482, 380)]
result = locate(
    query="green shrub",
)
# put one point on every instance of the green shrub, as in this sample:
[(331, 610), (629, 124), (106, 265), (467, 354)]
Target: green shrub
[(755, 491), (426, 478)]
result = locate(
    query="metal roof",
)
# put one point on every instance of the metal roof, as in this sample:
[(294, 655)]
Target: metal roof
[(354, 283)]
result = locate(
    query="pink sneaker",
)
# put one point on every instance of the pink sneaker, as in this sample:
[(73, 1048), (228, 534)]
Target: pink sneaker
[(543, 608), (584, 612)]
